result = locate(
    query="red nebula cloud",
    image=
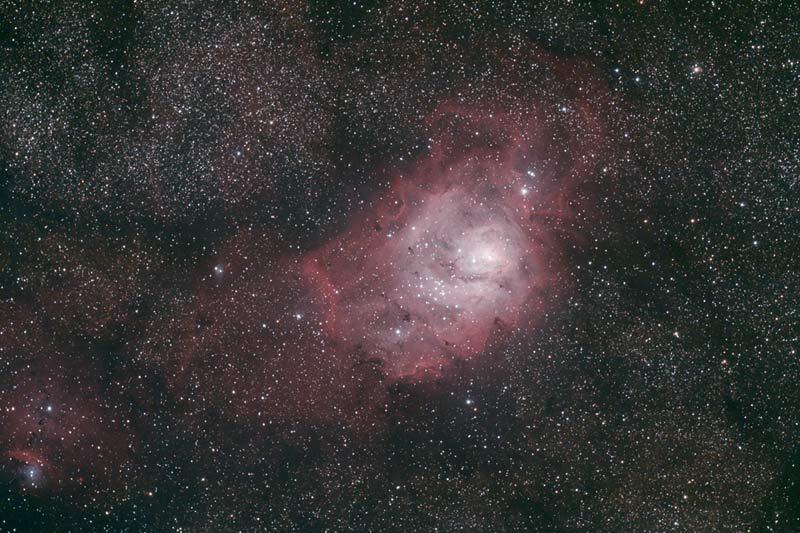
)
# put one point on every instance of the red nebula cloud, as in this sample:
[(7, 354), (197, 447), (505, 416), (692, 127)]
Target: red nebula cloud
[(456, 250), (57, 433), (253, 343)]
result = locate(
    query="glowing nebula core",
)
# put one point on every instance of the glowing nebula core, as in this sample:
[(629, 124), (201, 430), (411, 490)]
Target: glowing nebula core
[(440, 277), (445, 258)]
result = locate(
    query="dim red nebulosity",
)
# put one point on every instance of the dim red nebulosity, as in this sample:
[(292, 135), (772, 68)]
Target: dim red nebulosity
[(464, 246), (57, 433), (248, 342)]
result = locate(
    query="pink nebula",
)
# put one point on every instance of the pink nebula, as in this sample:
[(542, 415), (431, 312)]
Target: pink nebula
[(452, 253)]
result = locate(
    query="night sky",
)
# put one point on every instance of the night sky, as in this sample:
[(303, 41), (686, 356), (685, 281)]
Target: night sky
[(393, 266)]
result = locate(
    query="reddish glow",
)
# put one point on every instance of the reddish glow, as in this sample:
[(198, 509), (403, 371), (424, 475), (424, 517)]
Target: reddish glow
[(450, 253)]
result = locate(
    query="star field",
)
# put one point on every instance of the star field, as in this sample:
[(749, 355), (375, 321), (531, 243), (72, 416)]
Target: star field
[(378, 266)]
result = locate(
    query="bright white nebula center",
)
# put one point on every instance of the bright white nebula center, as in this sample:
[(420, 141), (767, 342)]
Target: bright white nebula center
[(453, 269)]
